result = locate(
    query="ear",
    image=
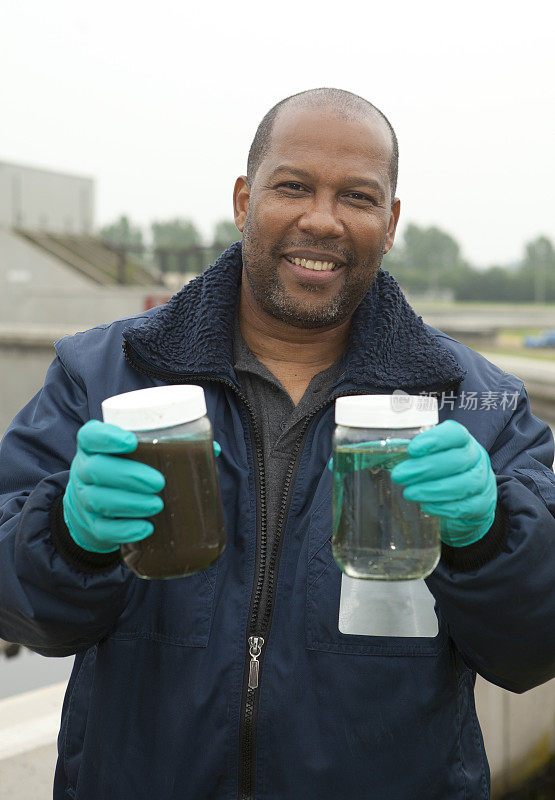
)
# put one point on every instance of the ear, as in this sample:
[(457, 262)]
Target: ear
[(241, 196), (393, 220)]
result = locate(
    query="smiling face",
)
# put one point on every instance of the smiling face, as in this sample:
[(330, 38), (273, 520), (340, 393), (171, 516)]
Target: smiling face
[(317, 218)]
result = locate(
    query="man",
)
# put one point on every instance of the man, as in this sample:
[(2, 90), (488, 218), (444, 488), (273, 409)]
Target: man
[(160, 704)]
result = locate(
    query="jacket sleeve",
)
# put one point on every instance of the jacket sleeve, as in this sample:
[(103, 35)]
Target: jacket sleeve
[(47, 602), (501, 614)]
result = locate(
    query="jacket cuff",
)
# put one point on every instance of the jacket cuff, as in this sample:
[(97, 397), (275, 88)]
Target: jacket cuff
[(475, 555), (81, 559)]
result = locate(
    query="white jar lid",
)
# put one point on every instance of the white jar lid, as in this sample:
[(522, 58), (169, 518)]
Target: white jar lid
[(157, 407), (399, 410)]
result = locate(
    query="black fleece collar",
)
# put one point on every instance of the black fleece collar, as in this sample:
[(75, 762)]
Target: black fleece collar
[(389, 346)]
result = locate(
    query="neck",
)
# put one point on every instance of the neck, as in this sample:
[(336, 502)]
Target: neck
[(287, 348)]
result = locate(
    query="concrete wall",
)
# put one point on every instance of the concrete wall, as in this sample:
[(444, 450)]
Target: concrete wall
[(23, 369), (26, 269), (465, 318), (39, 199), (36, 288), (518, 729), (76, 310), (29, 725)]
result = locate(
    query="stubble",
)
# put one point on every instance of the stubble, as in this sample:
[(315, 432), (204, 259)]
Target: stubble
[(261, 269)]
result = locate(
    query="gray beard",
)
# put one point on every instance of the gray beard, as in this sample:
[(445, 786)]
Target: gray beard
[(273, 299)]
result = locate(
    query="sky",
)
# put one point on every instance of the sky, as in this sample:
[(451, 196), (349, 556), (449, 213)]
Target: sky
[(159, 102)]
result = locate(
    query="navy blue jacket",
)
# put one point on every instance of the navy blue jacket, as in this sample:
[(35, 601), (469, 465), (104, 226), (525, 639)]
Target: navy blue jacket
[(158, 704)]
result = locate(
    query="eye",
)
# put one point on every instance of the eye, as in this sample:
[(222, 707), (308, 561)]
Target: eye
[(292, 186), (361, 198)]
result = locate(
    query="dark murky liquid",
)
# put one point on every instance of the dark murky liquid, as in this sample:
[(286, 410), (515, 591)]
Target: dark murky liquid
[(189, 532)]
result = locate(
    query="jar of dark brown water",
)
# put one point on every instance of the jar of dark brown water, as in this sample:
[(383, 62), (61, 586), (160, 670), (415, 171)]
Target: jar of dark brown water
[(175, 437)]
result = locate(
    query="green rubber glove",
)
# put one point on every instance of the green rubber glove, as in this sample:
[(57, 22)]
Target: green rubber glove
[(450, 475), (107, 498)]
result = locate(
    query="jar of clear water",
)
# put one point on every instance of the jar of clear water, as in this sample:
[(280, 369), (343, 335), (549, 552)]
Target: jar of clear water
[(377, 534)]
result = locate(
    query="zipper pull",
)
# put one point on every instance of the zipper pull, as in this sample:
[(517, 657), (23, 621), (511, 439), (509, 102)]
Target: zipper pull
[(255, 648)]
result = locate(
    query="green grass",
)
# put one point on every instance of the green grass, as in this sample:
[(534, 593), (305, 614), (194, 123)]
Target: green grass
[(459, 305), (544, 354), (522, 332)]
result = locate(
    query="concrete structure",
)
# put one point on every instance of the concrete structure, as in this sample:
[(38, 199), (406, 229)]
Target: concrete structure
[(29, 725), (463, 319), (27, 271), (23, 364), (518, 729), (46, 244), (39, 199), (36, 288)]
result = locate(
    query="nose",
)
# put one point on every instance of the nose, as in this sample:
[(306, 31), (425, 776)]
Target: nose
[(320, 218)]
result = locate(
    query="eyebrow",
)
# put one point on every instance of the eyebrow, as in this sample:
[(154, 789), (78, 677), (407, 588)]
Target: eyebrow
[(353, 180)]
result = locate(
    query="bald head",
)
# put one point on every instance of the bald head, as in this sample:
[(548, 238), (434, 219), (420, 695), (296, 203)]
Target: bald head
[(339, 102)]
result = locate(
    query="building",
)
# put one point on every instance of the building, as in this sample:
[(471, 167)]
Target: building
[(39, 199)]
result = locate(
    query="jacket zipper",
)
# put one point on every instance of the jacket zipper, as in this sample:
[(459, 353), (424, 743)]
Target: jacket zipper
[(260, 621), (255, 649)]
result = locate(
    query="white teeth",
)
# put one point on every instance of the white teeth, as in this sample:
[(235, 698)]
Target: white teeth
[(326, 266)]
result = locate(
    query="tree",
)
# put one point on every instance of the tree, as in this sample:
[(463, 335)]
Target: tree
[(432, 254), (122, 233), (225, 233), (177, 245), (427, 259), (175, 234), (539, 266)]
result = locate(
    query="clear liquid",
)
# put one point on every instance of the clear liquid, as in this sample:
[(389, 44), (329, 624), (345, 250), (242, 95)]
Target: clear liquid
[(377, 534)]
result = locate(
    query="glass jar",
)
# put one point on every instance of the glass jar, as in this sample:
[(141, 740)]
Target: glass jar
[(175, 437), (377, 534)]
